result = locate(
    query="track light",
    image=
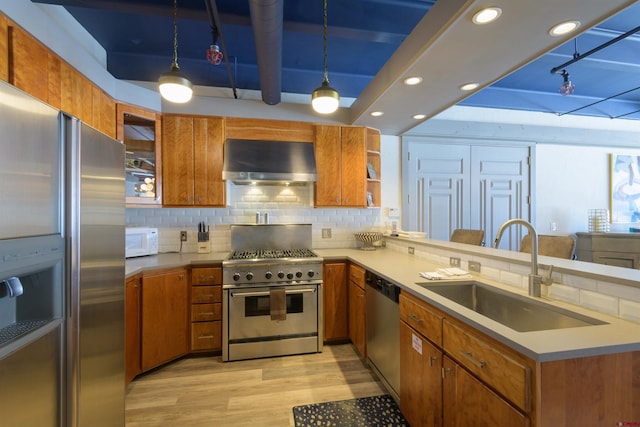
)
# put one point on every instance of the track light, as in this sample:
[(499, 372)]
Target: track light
[(173, 85), (325, 99), (567, 87)]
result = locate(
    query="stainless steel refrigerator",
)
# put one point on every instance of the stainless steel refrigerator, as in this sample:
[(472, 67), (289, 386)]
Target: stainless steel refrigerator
[(62, 238)]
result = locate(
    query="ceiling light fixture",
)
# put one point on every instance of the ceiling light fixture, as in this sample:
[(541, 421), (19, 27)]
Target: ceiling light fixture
[(376, 113), (412, 81), (173, 85), (325, 99), (419, 116), (567, 87), (469, 86), (486, 15), (564, 28)]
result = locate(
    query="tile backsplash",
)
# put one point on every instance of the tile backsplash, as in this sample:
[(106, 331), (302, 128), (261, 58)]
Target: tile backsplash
[(284, 204)]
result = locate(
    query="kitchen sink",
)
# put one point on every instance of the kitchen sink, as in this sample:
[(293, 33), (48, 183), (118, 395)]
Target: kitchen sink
[(519, 313)]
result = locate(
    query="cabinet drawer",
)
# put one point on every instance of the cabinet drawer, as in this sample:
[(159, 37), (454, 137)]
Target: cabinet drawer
[(206, 312), (423, 319), (506, 375), (206, 276), (206, 336), (356, 275), (206, 294)]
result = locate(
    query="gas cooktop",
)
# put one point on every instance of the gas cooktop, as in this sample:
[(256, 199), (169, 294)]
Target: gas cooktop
[(267, 254)]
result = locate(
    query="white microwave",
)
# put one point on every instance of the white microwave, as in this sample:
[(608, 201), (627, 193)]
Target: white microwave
[(141, 241)]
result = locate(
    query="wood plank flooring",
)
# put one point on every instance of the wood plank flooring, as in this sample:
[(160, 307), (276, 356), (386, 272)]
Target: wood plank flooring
[(204, 391)]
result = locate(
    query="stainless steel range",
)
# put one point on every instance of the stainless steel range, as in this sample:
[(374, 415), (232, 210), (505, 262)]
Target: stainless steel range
[(272, 293)]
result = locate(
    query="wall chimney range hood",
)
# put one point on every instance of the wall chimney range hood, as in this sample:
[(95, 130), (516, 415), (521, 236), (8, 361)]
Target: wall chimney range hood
[(269, 162)]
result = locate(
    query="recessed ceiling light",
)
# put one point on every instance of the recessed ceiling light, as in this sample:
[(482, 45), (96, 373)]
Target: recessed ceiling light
[(419, 116), (486, 15), (564, 28), (469, 86), (376, 113), (412, 81)]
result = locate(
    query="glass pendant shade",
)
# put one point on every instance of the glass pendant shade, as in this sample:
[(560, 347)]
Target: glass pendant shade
[(325, 99), (175, 87)]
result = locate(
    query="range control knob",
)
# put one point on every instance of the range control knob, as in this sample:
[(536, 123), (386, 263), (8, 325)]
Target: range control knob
[(290, 276), (311, 273), (280, 275), (268, 275), (249, 276), (236, 276), (298, 274)]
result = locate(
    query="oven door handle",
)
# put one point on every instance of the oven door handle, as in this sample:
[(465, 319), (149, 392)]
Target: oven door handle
[(265, 293)]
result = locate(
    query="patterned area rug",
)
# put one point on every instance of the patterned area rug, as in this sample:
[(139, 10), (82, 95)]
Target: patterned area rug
[(375, 411)]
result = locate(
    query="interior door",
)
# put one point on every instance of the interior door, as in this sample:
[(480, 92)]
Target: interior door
[(437, 189), (500, 191)]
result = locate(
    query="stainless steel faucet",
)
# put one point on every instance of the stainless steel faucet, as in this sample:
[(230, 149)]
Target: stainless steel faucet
[(535, 280)]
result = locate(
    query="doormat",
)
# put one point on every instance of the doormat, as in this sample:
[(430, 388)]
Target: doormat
[(374, 411)]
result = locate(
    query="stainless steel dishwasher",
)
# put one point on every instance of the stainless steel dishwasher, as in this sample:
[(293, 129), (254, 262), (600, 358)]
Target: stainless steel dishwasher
[(383, 331)]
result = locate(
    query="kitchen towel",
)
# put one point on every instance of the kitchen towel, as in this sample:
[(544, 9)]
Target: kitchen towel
[(278, 304), (452, 273)]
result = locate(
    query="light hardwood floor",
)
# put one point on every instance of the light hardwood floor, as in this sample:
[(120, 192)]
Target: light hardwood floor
[(204, 391)]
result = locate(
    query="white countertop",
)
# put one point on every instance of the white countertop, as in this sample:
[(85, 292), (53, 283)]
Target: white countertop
[(616, 336)]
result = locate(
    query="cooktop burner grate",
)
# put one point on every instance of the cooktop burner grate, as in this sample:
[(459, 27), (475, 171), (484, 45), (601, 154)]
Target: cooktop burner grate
[(271, 254)]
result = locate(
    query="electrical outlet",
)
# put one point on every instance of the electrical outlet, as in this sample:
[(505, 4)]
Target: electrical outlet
[(326, 233), (474, 266), (410, 248), (183, 236), (454, 262)]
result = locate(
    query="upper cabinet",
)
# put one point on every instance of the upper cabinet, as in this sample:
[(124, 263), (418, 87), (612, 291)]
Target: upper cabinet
[(348, 164), (193, 149), (140, 130)]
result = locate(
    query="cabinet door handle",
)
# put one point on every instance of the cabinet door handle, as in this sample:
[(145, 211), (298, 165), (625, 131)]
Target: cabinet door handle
[(205, 337), (181, 277), (479, 363), (414, 318), (432, 359), (445, 371)]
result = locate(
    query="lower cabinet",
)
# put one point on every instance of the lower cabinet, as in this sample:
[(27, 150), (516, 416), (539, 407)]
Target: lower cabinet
[(164, 308), (357, 333), (335, 302), (206, 309), (133, 287), (438, 390)]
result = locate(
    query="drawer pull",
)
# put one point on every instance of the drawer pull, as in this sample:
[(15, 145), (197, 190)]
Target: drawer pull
[(208, 313), (205, 277), (414, 318), (205, 337), (479, 363)]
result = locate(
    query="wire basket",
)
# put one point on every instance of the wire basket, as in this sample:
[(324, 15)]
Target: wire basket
[(598, 220), (369, 239)]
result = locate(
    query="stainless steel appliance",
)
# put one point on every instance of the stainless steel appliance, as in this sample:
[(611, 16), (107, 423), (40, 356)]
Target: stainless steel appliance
[(61, 269), (272, 293), (383, 331)]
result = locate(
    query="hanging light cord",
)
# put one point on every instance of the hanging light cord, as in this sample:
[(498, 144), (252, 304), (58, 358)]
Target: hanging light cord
[(325, 78), (175, 35)]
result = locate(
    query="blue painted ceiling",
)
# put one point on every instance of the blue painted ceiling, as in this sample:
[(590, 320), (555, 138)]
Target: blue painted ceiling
[(362, 36)]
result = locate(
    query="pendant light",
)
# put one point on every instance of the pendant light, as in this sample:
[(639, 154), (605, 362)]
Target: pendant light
[(325, 99), (173, 85)]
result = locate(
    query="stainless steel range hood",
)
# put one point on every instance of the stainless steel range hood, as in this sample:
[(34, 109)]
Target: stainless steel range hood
[(248, 161)]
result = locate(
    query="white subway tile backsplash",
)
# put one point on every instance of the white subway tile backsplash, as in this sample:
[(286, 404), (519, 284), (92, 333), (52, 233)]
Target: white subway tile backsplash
[(513, 279), (599, 302), (625, 292), (564, 293), (630, 310)]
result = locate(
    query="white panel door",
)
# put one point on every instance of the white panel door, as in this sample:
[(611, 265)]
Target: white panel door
[(500, 191), (437, 188)]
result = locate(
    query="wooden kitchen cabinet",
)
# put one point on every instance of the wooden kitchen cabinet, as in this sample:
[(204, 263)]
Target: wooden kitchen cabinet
[(420, 379), (459, 389), (335, 296), (357, 332), (468, 402), (206, 309), (193, 148), (141, 132), (164, 307), (342, 155), (617, 249), (133, 287)]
